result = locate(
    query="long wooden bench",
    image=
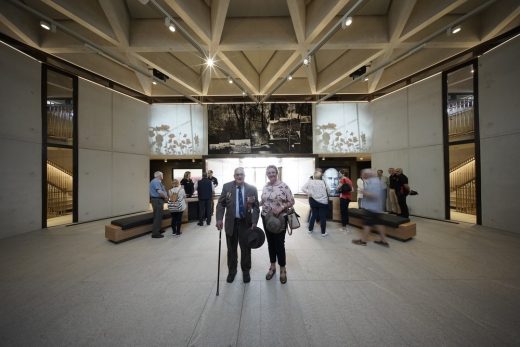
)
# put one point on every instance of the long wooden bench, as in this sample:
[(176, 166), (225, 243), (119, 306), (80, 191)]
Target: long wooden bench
[(129, 227), (394, 226)]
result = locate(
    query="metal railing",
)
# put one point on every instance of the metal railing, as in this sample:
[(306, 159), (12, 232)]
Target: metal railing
[(462, 173), (59, 190), (60, 121), (461, 123), (460, 106), (465, 198)]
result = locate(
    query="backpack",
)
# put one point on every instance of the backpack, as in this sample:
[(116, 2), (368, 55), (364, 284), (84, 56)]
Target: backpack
[(345, 188)]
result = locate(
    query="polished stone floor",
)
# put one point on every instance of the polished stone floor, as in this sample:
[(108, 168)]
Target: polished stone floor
[(453, 285)]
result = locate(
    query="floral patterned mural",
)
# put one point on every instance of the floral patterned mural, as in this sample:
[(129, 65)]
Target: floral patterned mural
[(342, 128), (176, 130)]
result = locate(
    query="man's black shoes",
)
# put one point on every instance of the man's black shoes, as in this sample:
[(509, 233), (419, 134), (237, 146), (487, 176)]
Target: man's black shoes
[(160, 236), (231, 277), (246, 277)]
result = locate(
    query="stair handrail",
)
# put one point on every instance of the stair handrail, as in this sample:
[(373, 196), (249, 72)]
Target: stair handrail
[(461, 164)]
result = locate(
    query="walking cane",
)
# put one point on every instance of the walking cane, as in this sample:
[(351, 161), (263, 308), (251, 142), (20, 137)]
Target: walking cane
[(218, 270)]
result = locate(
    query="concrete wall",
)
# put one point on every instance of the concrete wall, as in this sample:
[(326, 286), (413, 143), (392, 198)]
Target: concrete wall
[(113, 153), (408, 134), (20, 143), (499, 73)]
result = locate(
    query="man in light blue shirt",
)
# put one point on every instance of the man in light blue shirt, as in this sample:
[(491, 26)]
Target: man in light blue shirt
[(372, 204), (158, 195)]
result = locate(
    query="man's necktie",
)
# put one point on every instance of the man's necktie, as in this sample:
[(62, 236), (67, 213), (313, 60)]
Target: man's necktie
[(241, 203)]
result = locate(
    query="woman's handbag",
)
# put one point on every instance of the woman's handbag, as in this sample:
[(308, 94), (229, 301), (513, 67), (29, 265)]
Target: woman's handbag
[(292, 220)]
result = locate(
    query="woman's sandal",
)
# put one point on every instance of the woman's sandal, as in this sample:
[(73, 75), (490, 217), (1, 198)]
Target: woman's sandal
[(359, 242), (270, 274), (283, 276)]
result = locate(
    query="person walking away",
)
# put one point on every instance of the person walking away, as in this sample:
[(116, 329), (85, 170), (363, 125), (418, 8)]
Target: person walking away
[(158, 196), (372, 197), (276, 199), (238, 202), (319, 201), (344, 198), (176, 205), (205, 195)]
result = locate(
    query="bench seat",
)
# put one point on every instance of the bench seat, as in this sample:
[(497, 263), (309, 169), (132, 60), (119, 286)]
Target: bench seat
[(129, 227), (394, 226)]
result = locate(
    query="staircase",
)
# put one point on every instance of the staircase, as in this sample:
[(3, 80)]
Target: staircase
[(59, 190), (463, 187)]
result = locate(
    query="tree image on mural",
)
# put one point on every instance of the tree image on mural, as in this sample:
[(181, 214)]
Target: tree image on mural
[(331, 139), (263, 128), (165, 139)]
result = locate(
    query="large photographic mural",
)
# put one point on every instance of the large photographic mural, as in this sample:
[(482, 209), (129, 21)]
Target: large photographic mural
[(176, 130), (342, 128), (265, 128)]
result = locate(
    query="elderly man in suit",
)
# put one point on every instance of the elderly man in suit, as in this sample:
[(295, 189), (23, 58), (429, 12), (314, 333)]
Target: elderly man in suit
[(239, 201)]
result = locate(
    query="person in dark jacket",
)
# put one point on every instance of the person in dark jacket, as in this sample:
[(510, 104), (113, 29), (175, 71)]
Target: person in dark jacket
[(205, 194), (188, 184)]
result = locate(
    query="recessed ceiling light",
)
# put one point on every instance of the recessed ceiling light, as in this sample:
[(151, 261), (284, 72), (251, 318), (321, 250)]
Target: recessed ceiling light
[(209, 62), (154, 83), (307, 60), (230, 80), (348, 21), (456, 29), (365, 79), (289, 77)]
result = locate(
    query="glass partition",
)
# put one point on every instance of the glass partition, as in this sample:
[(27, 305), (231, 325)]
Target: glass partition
[(59, 143)]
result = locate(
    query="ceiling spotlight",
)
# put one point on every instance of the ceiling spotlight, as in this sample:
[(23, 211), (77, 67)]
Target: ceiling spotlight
[(361, 158), (365, 79), (169, 24), (472, 71), (154, 83), (230, 80), (243, 93), (209, 62), (48, 26), (193, 160), (454, 30), (346, 23), (165, 160), (289, 77), (323, 158), (307, 60)]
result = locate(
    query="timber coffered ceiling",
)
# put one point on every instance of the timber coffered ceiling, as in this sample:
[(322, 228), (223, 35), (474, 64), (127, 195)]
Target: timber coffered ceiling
[(256, 44)]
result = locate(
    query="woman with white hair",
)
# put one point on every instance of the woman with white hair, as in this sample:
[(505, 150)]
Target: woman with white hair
[(319, 200)]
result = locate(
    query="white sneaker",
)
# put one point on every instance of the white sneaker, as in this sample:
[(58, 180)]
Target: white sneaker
[(326, 234)]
